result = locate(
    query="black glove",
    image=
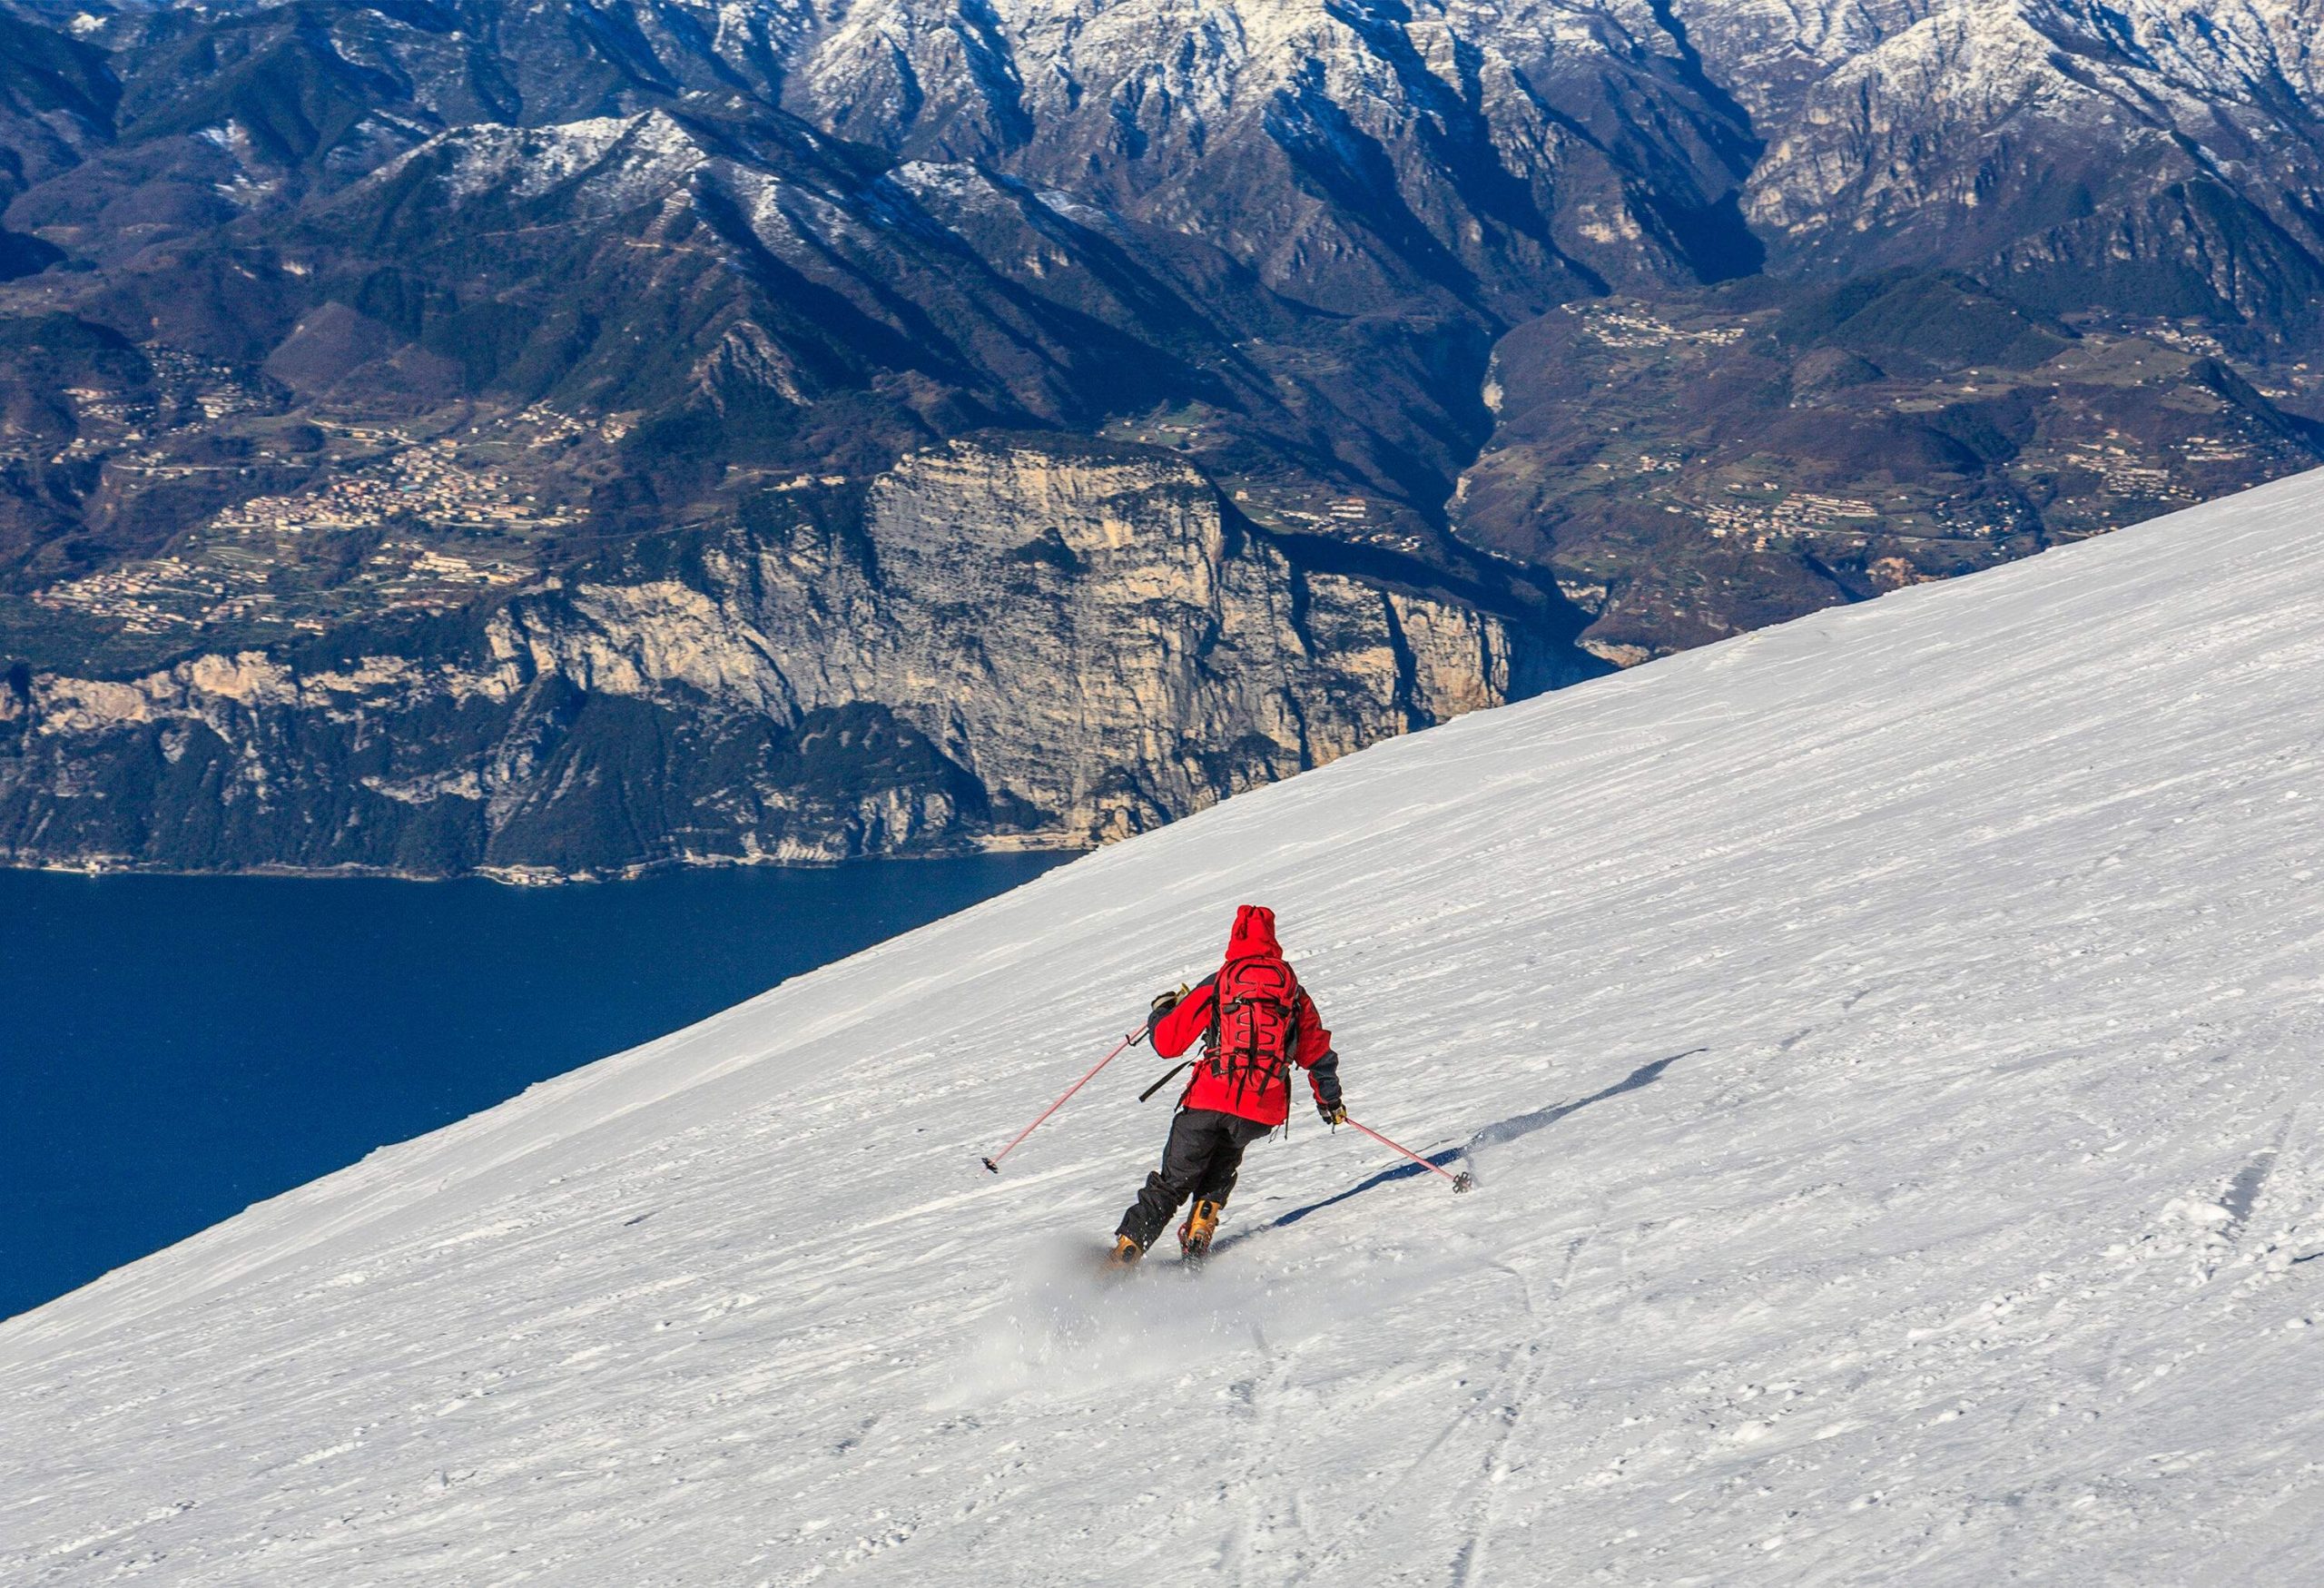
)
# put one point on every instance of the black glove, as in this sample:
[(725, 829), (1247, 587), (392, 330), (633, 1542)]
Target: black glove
[(1326, 1074), (1164, 1002)]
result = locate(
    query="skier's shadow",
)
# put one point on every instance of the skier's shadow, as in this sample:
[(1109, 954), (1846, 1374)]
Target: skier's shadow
[(1493, 1135)]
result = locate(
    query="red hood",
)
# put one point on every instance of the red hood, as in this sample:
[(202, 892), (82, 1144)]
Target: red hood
[(1253, 933)]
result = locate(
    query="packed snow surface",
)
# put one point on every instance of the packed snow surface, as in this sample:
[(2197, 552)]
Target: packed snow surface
[(1887, 1048)]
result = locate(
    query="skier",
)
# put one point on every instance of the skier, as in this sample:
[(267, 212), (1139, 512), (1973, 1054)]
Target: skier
[(1256, 1023)]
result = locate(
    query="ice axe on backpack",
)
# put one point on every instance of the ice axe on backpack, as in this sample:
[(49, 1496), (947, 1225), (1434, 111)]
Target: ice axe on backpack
[(1167, 1076), (993, 1163)]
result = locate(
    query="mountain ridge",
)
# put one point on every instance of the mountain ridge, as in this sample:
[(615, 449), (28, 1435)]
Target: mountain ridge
[(1509, 292)]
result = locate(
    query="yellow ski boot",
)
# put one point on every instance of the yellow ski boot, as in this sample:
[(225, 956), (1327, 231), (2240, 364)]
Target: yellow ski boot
[(1194, 1234)]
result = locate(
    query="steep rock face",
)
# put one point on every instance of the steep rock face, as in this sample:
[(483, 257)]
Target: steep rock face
[(1013, 603), (1003, 643)]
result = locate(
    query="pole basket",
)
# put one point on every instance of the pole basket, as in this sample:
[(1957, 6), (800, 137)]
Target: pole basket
[(1461, 1182)]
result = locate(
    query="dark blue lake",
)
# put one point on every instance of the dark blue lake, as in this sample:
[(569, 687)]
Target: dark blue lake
[(173, 1049)]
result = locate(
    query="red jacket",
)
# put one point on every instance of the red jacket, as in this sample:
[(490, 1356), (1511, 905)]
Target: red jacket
[(1311, 1049)]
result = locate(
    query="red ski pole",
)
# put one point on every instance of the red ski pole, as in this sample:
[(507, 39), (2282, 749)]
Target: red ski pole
[(1461, 1182), (993, 1163)]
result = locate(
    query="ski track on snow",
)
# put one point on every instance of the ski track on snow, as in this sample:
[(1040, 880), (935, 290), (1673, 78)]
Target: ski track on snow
[(1883, 1045)]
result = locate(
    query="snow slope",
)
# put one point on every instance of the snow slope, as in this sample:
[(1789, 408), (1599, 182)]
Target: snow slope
[(1886, 1046)]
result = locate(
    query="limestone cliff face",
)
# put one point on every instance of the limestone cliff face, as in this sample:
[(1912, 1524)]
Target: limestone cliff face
[(1002, 644)]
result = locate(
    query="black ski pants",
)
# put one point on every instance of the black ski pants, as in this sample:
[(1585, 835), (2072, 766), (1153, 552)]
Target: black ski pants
[(1199, 1160)]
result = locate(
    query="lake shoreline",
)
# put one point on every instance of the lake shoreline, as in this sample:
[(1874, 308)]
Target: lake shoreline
[(540, 876)]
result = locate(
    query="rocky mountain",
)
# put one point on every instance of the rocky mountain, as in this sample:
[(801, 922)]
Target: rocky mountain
[(337, 332), (995, 644)]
